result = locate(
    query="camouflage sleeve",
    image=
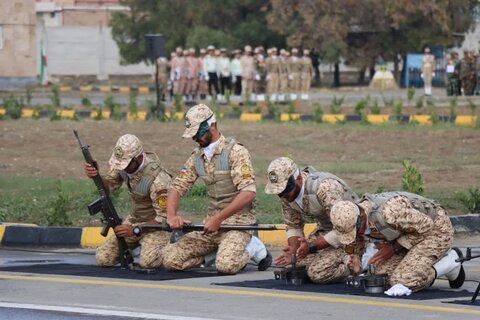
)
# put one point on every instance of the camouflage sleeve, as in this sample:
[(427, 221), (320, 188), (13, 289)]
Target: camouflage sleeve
[(399, 213), (329, 191), (186, 177), (241, 169), (158, 194), (333, 238), (293, 220), (114, 179)]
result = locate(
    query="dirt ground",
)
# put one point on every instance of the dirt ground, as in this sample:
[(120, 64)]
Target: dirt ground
[(367, 157)]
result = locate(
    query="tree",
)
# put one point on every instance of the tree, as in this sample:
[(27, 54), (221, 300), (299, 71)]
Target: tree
[(191, 23)]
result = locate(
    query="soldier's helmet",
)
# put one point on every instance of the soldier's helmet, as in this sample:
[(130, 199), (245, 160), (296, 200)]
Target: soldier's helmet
[(191, 51), (306, 52), (248, 49), (210, 48), (203, 51), (186, 52), (223, 50), (278, 173), (179, 50), (294, 51), (344, 215), (194, 118), (127, 147)]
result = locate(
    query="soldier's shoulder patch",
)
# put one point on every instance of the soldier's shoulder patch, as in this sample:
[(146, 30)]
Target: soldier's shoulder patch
[(183, 171), (246, 171), (162, 201)]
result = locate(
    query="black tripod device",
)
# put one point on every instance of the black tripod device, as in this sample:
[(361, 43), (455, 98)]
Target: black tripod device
[(468, 257)]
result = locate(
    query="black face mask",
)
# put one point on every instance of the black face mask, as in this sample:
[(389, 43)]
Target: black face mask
[(202, 130), (289, 187)]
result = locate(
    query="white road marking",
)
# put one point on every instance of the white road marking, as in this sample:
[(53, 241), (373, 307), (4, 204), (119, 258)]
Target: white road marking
[(99, 312)]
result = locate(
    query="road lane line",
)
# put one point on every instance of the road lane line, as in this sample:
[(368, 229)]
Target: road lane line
[(406, 305), (94, 311)]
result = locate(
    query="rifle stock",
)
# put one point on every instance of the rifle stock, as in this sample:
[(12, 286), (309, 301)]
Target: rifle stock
[(105, 205)]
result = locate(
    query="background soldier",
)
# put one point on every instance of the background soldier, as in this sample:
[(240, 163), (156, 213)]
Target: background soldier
[(203, 84), (452, 75), (236, 68), (176, 68), (309, 193), (248, 70), (294, 77), (210, 70), (412, 235), (272, 64), (428, 71), (223, 64), (284, 74), (147, 183), (260, 75), (226, 168), (306, 74), (468, 74)]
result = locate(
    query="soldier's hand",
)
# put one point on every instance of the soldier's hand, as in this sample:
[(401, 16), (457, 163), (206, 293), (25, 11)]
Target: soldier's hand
[(211, 225), (285, 257), (177, 222), (385, 252), (302, 251), (90, 171), (124, 230), (354, 264)]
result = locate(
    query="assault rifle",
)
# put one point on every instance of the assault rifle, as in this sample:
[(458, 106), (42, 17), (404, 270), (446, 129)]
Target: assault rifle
[(105, 205), (199, 227)]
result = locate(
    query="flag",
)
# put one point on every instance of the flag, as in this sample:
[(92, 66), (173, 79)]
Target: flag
[(43, 65)]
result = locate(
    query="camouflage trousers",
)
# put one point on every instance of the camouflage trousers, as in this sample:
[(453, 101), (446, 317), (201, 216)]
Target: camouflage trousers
[(189, 251), (151, 253), (327, 265), (452, 85), (414, 268)]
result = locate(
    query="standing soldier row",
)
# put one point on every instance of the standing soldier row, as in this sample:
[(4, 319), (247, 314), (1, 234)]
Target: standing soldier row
[(463, 75), (250, 75)]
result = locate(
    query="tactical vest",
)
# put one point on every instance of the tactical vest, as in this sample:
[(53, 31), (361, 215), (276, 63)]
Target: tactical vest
[(142, 208), (424, 205), (315, 209), (221, 189)]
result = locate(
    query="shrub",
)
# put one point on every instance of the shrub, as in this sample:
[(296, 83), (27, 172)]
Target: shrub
[(470, 199), (318, 113), (453, 107), (412, 180), (57, 215), (336, 104)]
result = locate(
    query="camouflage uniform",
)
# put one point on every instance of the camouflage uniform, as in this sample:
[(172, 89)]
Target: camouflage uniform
[(452, 76), (162, 64), (320, 191), (419, 225), (247, 63), (228, 172), (148, 190), (295, 66)]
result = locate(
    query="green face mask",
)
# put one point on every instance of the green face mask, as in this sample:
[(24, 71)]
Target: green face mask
[(202, 130)]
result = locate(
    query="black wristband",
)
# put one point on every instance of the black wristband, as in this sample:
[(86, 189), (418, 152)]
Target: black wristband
[(312, 248), (397, 248)]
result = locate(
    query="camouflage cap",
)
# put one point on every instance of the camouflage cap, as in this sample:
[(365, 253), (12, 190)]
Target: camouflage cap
[(128, 146), (210, 47), (194, 117), (279, 170), (344, 215)]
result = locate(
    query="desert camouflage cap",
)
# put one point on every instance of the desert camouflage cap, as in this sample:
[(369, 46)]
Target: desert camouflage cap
[(279, 170), (194, 117), (128, 146), (344, 215)]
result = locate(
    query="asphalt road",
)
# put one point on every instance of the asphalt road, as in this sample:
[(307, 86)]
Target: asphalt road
[(39, 296)]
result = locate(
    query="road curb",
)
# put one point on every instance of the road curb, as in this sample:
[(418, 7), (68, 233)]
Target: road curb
[(27, 235)]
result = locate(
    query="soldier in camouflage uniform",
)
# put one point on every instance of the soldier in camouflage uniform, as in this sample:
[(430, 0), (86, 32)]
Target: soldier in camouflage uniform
[(148, 184), (452, 75), (162, 64), (413, 236), (306, 74), (310, 193), (295, 65), (226, 169)]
